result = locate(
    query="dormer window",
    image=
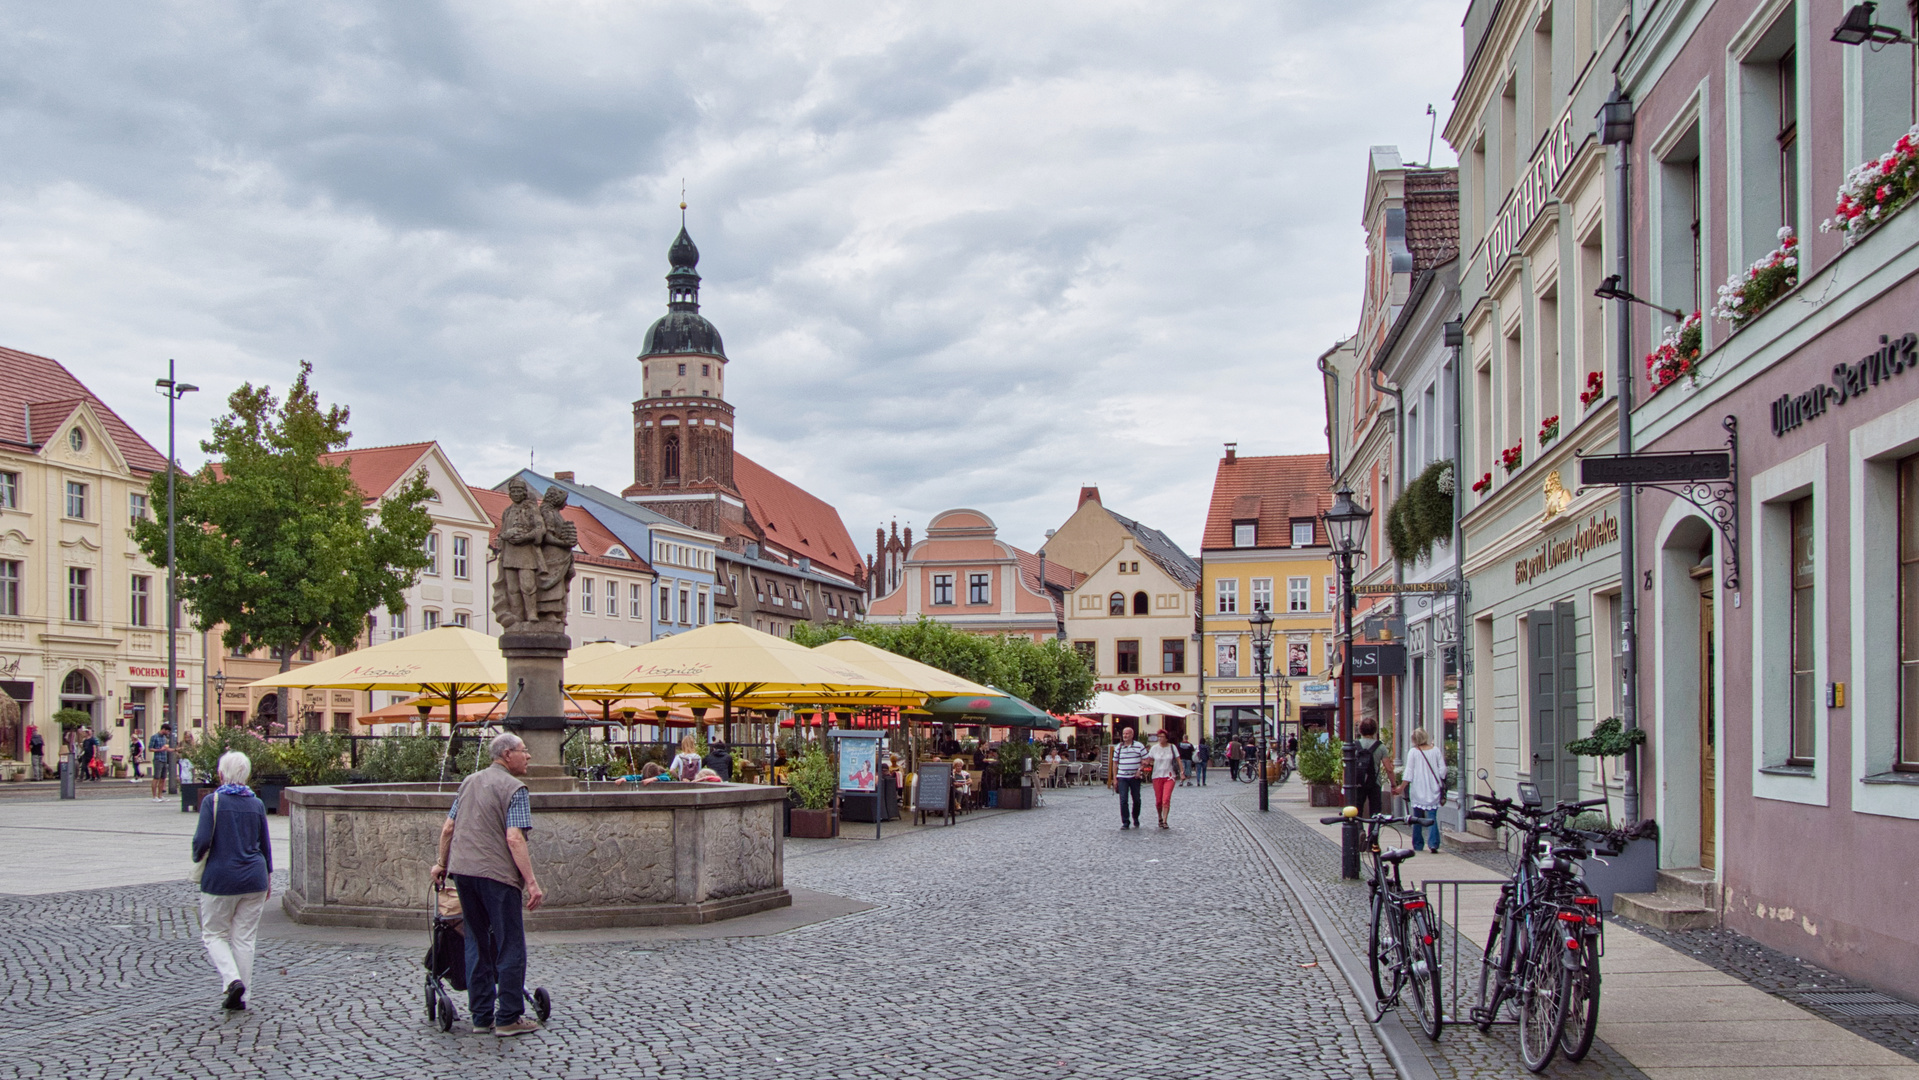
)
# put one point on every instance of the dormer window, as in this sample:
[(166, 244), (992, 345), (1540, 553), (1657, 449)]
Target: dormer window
[(1303, 532), (1245, 534)]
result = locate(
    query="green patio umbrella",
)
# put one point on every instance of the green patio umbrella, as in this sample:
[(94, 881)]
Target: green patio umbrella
[(1007, 711)]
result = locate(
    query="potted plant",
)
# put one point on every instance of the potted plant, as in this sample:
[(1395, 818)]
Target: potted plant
[(1422, 515), (1512, 458), (1772, 276), (1320, 766), (1636, 868), (1876, 189), (1595, 389), (1548, 429), (810, 783), (205, 753), (1013, 756), (316, 759)]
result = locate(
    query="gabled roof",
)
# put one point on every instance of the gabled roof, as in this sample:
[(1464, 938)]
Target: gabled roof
[(795, 519), (1432, 216), (594, 541), (608, 500), (1269, 490), (1056, 575), (1160, 548), (37, 394), (375, 469)]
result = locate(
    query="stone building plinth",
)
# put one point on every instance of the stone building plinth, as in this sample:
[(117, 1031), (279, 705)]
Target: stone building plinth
[(607, 855)]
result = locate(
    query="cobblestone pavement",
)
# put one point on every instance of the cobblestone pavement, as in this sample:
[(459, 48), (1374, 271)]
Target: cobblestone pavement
[(1462, 1051), (1039, 944)]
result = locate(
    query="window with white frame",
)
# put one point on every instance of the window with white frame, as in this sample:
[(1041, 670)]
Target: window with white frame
[(76, 499), (79, 594), (1765, 145), (1299, 596), (586, 595), (979, 588), (1802, 614), (686, 606), (9, 587), (136, 506), (664, 613), (139, 601), (1226, 595), (459, 557), (1262, 594), (942, 589), (398, 621), (636, 602), (432, 548), (1245, 534), (612, 599), (700, 618), (1906, 751), (9, 491), (429, 619)]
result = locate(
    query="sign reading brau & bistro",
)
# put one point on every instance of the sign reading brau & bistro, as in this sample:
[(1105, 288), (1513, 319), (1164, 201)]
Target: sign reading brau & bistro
[(1893, 357), (1557, 551)]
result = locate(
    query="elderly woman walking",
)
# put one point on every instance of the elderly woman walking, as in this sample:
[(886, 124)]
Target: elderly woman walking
[(238, 861)]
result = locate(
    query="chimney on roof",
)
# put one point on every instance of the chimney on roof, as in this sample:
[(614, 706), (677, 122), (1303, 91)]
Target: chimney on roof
[(752, 549), (806, 563), (1232, 452), (564, 477), (1088, 492)]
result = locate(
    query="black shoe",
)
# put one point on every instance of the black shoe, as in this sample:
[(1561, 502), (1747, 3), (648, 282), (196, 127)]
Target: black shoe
[(236, 996), (1124, 825)]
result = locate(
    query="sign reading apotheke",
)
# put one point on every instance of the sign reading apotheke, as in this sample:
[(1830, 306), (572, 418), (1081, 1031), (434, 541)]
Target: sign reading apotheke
[(1557, 551), (1532, 192)]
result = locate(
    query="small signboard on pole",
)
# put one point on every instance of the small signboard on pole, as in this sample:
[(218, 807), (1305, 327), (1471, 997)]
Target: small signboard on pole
[(859, 769)]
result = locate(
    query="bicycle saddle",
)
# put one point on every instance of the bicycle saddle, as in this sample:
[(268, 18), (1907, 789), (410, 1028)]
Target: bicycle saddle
[(1396, 855)]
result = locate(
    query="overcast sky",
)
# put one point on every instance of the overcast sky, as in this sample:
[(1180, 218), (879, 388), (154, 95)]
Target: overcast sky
[(970, 254)]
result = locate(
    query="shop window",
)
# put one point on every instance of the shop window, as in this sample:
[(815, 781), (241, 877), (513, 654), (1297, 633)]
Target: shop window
[(942, 589), (1116, 604), (1226, 592), (1299, 594), (1803, 614), (1172, 656), (1127, 657), (1262, 594), (1142, 605), (979, 588), (1907, 758)]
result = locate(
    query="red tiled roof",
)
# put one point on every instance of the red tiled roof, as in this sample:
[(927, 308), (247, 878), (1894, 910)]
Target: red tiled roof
[(45, 389), (594, 538), (1271, 490), (1432, 216), (375, 469), (794, 519), (1056, 573)]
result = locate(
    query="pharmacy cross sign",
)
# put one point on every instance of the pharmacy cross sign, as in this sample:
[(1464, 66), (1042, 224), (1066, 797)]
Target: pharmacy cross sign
[(1707, 479)]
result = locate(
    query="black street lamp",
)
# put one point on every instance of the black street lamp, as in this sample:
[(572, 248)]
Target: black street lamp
[(1346, 526), (1262, 621), (174, 390), (1859, 29), (1609, 289)]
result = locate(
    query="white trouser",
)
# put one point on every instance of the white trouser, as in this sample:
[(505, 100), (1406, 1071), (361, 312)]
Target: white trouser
[(228, 927)]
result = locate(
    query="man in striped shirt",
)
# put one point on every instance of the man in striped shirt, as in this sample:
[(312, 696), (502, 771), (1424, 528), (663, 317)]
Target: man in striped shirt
[(1127, 755)]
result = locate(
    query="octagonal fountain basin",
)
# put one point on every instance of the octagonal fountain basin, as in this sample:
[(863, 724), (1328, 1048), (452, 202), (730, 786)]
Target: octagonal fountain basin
[(606, 854)]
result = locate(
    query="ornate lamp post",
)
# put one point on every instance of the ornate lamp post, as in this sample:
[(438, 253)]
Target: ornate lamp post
[(1262, 621), (1346, 526)]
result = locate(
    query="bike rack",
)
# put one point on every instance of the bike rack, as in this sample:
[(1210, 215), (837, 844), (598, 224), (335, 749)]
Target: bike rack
[(1437, 891)]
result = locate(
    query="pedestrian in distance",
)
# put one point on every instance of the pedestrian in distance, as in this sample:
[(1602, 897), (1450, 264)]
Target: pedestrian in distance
[(1375, 768), (1423, 784), (1186, 752), (136, 746), (1168, 770), (1127, 755), (483, 846), (1201, 758), (233, 843), (37, 746), (1234, 752), (686, 763), (160, 746), (719, 758), (88, 747)]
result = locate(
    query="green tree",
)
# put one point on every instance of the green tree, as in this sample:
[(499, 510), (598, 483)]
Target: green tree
[(279, 545), (1048, 674)]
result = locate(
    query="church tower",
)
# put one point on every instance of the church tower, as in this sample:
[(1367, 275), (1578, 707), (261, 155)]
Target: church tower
[(682, 425)]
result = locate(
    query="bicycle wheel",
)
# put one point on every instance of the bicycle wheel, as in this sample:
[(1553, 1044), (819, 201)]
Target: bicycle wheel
[(1384, 952), (1543, 979), (1582, 1003), (1422, 953), (1491, 991)]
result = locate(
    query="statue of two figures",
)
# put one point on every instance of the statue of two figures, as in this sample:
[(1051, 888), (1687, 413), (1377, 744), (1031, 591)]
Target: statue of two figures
[(536, 561)]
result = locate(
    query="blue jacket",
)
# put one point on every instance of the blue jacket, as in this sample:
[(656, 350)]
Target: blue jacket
[(242, 855)]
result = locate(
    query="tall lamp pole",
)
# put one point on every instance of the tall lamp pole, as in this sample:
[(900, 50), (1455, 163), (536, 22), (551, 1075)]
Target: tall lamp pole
[(174, 390), (1262, 621), (1346, 527)]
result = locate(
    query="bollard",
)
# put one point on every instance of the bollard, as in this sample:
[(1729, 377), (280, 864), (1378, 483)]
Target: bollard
[(66, 778)]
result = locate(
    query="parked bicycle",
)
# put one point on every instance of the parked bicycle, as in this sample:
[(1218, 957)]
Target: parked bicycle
[(1401, 950), (1542, 951)]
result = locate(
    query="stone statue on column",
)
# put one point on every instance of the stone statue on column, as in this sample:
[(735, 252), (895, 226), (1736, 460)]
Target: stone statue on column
[(530, 599)]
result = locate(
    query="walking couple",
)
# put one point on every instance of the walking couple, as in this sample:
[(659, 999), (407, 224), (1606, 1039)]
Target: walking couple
[(1131, 761)]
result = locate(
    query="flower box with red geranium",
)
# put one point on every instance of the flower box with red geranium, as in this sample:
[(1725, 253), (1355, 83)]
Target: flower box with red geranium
[(1483, 484), (1595, 389), (1548, 430), (1677, 354), (1876, 190), (1511, 457), (1771, 277)]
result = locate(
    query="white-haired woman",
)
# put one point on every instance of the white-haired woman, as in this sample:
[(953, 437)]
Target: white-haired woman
[(233, 839)]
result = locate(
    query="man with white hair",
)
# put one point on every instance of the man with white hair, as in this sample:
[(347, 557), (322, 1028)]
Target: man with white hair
[(483, 845)]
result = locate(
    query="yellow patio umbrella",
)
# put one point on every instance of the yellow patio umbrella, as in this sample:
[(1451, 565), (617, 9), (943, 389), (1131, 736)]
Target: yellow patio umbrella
[(923, 680), (725, 662), (450, 663)]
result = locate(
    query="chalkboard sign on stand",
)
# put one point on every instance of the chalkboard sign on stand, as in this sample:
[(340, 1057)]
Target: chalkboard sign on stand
[(934, 793)]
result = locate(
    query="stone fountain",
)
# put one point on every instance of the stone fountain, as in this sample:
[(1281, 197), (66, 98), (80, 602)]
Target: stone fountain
[(607, 854)]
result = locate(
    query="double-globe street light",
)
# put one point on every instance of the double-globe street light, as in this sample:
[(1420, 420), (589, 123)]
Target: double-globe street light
[(174, 390), (1262, 621), (1346, 526)]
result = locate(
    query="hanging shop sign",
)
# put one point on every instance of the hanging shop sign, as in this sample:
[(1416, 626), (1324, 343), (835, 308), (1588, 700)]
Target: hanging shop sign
[(1532, 193), (1893, 357), (1316, 693), (1654, 467), (1379, 659), (1405, 587), (1557, 551)]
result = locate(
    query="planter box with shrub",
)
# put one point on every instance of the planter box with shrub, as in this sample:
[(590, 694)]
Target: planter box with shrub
[(1327, 794), (815, 824)]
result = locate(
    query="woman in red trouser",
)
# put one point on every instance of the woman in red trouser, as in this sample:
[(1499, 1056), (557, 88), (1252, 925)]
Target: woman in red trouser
[(1166, 773)]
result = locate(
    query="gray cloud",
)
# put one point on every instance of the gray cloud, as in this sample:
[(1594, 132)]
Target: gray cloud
[(961, 254)]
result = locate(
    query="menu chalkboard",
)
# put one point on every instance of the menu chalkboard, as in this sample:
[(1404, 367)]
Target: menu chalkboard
[(935, 790)]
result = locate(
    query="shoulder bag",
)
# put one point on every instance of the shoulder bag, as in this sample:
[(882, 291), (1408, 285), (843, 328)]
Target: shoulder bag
[(1442, 781), (200, 864)]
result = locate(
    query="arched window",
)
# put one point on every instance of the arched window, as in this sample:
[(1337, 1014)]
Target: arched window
[(1116, 604), (76, 692), (670, 459), (1140, 604)]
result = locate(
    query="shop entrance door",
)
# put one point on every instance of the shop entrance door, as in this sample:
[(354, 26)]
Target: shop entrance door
[(1553, 707), (1708, 733)]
